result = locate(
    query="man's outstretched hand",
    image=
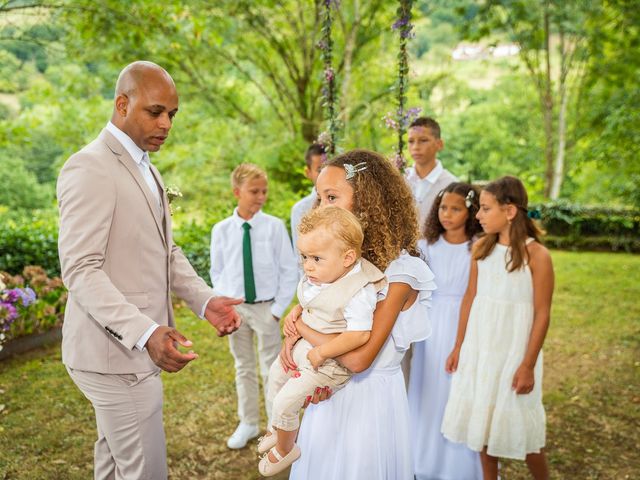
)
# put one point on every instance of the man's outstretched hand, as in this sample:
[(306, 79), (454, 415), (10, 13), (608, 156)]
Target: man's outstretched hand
[(221, 314), (162, 349)]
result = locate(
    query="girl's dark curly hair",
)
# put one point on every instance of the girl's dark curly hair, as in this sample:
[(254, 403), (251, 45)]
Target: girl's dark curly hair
[(432, 226), (384, 205)]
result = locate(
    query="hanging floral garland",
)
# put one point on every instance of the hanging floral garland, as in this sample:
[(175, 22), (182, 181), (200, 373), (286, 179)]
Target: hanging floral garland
[(402, 118), (328, 137)]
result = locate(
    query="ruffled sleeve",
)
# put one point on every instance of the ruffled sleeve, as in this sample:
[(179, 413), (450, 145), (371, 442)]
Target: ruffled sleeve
[(414, 324)]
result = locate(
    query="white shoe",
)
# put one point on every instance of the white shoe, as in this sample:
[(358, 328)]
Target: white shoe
[(268, 469), (242, 435), (267, 441)]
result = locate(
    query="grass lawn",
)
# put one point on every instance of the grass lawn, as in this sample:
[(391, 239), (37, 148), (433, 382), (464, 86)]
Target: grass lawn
[(591, 384)]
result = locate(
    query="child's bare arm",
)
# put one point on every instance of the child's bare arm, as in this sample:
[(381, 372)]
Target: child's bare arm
[(543, 281), (343, 343)]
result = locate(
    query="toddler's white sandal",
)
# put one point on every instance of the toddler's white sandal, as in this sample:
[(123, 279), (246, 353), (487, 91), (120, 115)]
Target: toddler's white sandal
[(268, 469), (266, 442)]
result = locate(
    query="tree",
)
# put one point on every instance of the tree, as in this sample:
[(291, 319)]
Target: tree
[(552, 43), (220, 49)]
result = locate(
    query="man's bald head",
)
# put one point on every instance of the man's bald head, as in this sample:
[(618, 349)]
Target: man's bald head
[(145, 104), (138, 73)]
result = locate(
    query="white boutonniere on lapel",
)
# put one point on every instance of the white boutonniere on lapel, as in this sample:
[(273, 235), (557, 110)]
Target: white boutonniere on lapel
[(173, 192)]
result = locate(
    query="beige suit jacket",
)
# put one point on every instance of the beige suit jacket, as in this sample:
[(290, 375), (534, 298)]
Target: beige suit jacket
[(118, 260)]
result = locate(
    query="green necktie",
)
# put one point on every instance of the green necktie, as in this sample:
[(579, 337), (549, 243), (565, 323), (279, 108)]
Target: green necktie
[(249, 281)]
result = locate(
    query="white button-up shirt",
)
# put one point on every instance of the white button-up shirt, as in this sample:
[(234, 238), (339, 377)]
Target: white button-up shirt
[(139, 156), (275, 268), (421, 186)]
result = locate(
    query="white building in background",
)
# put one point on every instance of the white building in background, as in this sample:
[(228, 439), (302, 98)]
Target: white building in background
[(476, 51)]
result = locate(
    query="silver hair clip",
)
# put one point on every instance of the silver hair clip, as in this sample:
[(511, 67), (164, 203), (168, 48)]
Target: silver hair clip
[(470, 196), (353, 169)]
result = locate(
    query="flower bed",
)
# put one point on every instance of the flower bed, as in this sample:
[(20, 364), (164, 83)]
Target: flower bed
[(30, 303)]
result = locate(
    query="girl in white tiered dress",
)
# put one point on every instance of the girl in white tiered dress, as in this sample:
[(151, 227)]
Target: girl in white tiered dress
[(495, 404), (362, 432), (448, 231)]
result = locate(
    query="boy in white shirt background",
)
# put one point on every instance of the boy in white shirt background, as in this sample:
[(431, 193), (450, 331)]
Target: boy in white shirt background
[(314, 157), (427, 176), (251, 255)]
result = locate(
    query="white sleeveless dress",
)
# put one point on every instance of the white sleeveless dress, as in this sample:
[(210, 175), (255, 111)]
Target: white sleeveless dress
[(362, 432), (435, 457), (482, 408)]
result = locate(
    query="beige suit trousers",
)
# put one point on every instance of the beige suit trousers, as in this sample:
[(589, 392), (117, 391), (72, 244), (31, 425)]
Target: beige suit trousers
[(131, 443), (256, 319)]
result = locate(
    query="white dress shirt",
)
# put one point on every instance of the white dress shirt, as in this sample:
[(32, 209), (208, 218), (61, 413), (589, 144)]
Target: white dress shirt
[(140, 157), (299, 210), (358, 312), (420, 186), (275, 268)]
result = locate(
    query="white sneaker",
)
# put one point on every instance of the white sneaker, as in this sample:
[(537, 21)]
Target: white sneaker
[(242, 435)]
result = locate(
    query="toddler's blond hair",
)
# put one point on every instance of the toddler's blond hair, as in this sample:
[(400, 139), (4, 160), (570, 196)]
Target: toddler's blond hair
[(244, 172), (340, 222)]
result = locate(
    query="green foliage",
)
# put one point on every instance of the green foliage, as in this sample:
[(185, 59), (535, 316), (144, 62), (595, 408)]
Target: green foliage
[(29, 240), (580, 227), (47, 311), (20, 188), (12, 77), (195, 240)]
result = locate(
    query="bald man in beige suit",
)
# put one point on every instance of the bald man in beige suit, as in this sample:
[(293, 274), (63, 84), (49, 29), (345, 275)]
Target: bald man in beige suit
[(120, 266)]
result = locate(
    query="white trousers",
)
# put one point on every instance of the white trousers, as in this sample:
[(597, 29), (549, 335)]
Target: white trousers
[(256, 319)]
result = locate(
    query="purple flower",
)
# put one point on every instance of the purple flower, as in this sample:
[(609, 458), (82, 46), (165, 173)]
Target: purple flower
[(412, 113), (12, 295), (27, 295), (400, 162), (390, 122), (8, 314), (408, 32), (401, 22), (329, 75)]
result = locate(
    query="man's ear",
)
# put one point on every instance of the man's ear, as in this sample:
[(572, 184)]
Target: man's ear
[(122, 104), (350, 257), (236, 192), (440, 144)]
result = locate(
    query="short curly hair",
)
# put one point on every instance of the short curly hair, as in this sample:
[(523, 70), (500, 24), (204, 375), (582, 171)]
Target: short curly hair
[(384, 205), (432, 226), (341, 223)]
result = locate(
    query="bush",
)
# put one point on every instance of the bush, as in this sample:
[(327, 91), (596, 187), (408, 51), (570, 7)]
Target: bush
[(20, 188), (195, 240), (577, 227), (29, 240), (46, 312)]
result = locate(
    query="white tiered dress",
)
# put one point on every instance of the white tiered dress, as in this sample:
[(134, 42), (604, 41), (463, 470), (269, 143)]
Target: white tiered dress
[(435, 457), (362, 432), (483, 409)]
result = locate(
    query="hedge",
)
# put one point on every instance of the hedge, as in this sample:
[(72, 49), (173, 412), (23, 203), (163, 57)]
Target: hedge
[(32, 240), (29, 240)]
